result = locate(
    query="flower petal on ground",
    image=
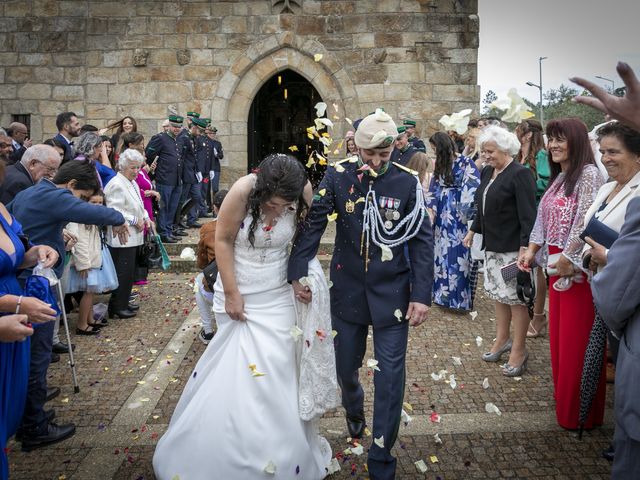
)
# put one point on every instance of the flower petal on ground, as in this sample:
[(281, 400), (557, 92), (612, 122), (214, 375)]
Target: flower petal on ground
[(421, 466)]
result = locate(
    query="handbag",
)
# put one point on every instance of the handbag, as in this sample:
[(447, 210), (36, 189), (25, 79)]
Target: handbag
[(210, 274), (599, 233), (509, 272), (150, 255)]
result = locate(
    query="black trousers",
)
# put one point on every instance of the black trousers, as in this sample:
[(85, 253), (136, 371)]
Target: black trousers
[(124, 260)]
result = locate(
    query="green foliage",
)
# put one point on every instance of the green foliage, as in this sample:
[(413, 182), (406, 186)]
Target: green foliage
[(558, 104)]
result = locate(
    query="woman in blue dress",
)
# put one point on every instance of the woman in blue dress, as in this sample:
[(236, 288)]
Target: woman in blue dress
[(14, 329), (450, 202)]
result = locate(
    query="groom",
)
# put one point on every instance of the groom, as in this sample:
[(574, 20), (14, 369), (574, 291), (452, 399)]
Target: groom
[(375, 281)]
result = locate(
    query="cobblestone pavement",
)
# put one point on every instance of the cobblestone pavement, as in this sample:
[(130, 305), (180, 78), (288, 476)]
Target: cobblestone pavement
[(131, 377)]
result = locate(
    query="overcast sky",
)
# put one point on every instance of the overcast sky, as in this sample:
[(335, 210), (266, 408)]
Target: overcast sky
[(580, 38)]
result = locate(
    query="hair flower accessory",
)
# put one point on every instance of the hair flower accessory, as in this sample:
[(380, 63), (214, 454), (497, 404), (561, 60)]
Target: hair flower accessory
[(458, 121)]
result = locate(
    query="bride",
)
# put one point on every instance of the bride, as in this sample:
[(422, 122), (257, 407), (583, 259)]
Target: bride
[(238, 417)]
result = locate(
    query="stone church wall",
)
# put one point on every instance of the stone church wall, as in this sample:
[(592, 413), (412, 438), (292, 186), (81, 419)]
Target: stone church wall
[(107, 59)]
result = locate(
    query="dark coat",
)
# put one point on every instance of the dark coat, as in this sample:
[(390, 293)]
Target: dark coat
[(370, 297), (16, 155), (187, 149), (69, 153), (510, 212), (169, 169), (418, 144), (16, 179), (204, 155), (403, 157), (44, 210), (218, 155)]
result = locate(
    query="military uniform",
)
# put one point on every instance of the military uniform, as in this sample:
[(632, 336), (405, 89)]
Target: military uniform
[(403, 156), (413, 139), (218, 155), (190, 178), (168, 177), (369, 291), (204, 161)]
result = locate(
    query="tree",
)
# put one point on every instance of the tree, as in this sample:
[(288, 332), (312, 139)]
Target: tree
[(489, 98), (559, 104)]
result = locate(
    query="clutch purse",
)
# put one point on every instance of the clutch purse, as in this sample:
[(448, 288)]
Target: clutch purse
[(210, 274), (509, 271), (600, 233)]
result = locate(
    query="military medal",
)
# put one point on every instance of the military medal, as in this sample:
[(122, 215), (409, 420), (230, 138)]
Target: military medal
[(388, 225), (396, 215), (349, 206)]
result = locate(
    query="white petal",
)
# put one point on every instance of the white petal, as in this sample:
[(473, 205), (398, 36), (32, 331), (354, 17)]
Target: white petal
[(421, 466), (321, 108), (387, 254), (452, 381), (357, 450), (295, 332), (437, 439), (491, 408), (473, 315), (326, 121), (188, 254), (479, 341), (373, 364), (270, 469), (379, 441), (334, 466), (456, 361), (485, 383), (405, 417)]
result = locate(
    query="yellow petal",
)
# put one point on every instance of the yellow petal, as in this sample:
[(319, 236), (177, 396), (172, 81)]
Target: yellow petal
[(293, 148), (433, 459), (322, 192), (408, 407), (339, 168), (317, 57), (360, 200), (332, 217), (311, 162)]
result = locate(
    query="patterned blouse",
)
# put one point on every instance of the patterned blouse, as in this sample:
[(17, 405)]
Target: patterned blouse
[(560, 219)]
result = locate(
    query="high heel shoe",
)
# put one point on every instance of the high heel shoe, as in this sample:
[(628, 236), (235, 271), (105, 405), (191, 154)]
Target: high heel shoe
[(494, 357), (532, 332), (511, 371)]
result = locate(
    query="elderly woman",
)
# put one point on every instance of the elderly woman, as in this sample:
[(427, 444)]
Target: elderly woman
[(573, 185), (123, 195), (90, 146), (506, 211)]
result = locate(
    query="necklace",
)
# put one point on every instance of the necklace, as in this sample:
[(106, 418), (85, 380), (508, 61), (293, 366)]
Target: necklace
[(497, 172)]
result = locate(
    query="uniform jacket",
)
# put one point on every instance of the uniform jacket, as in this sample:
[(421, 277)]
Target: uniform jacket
[(218, 155), (16, 179), (124, 196), (169, 169), (87, 252), (374, 296), (44, 210), (403, 157), (617, 298), (418, 144), (204, 155), (187, 149)]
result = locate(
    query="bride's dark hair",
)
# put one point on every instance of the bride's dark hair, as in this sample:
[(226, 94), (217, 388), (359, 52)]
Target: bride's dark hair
[(278, 175)]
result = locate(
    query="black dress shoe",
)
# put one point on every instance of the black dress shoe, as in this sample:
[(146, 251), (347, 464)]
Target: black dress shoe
[(133, 307), (55, 358), (180, 233), (168, 239), (62, 347), (53, 433), (52, 392), (356, 425), (206, 215), (126, 313), (608, 453), (87, 331), (194, 225), (182, 226), (49, 414)]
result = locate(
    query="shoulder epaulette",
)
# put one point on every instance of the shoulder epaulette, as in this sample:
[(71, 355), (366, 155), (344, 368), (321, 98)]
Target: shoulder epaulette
[(403, 168)]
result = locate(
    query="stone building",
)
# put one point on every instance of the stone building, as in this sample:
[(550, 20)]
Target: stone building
[(257, 67)]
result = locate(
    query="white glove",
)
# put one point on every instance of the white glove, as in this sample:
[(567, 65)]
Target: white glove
[(215, 152), (212, 174), (199, 177)]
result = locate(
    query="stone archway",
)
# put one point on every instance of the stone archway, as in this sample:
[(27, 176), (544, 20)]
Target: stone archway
[(239, 85)]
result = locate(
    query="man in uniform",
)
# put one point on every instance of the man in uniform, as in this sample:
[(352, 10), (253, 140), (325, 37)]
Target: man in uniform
[(218, 154), (191, 177), (168, 175), (410, 125), (204, 162), (380, 209), (404, 150)]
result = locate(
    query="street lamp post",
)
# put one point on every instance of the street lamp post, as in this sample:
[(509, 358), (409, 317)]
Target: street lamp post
[(539, 87), (613, 83)]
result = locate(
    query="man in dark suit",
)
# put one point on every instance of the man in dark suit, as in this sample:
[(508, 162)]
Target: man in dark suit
[(191, 177), (20, 138), (68, 128), (380, 209), (404, 150), (39, 161), (204, 161), (617, 298), (168, 175), (218, 154)]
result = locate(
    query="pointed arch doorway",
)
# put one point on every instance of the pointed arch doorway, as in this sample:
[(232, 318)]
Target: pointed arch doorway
[(279, 116)]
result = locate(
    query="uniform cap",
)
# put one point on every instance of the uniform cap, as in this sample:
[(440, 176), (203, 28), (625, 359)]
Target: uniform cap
[(377, 130)]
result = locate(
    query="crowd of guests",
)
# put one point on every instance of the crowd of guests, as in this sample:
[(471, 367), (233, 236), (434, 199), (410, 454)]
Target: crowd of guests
[(107, 192)]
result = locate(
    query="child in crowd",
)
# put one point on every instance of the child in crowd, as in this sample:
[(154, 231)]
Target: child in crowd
[(90, 270), (204, 283)]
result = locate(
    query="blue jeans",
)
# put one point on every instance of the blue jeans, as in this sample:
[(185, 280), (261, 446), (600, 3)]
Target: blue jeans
[(191, 190), (169, 199)]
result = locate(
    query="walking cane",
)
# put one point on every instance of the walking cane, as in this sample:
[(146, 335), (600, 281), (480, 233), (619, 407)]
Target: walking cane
[(72, 362)]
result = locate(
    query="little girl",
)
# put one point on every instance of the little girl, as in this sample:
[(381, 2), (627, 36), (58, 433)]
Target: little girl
[(90, 270)]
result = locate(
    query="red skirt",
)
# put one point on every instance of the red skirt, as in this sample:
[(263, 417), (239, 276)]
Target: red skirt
[(571, 316)]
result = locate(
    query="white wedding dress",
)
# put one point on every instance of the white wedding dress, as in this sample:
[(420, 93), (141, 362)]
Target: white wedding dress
[(232, 422)]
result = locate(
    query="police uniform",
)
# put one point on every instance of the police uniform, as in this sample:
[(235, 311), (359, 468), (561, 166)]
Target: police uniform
[(204, 161), (414, 140), (367, 290), (168, 176), (218, 155)]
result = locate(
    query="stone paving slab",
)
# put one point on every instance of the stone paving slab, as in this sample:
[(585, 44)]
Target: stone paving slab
[(149, 358)]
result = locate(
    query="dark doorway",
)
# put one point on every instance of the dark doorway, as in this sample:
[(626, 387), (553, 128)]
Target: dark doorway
[(280, 114)]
